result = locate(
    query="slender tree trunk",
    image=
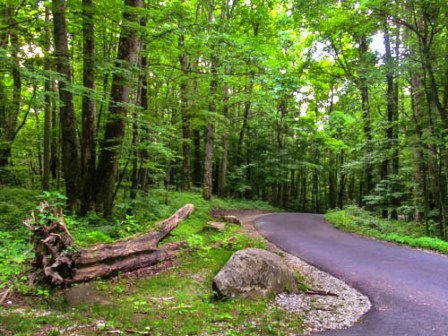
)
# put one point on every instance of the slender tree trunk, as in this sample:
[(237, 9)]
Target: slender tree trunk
[(396, 201), (421, 195), (342, 182), (225, 144), (332, 181), (38, 137), (69, 143), (9, 108), (434, 105), (55, 137), (47, 109), (210, 132), (333, 170), (316, 191), (208, 163), (304, 192), (185, 110), (434, 172), (88, 148), (134, 151), (391, 151), (116, 120), (144, 155), (247, 106), (367, 128)]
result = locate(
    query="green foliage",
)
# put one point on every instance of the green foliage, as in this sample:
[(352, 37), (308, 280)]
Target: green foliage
[(94, 237), (15, 205), (177, 301), (13, 258), (357, 220)]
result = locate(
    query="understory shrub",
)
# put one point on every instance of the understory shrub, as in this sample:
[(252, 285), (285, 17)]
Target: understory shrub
[(358, 220)]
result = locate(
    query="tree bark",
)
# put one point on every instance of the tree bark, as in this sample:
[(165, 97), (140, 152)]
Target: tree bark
[(391, 151), (88, 148), (197, 166), (418, 105), (116, 120), (225, 145), (185, 109), (210, 132), (9, 106), (47, 109), (58, 263), (144, 155), (367, 128), (69, 143)]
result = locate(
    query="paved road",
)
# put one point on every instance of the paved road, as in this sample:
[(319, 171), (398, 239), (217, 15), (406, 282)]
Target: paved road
[(408, 288)]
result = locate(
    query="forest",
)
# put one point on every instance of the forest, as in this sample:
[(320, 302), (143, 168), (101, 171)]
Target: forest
[(309, 105), (141, 141)]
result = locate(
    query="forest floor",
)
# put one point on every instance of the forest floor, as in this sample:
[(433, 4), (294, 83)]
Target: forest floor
[(173, 298), (176, 297)]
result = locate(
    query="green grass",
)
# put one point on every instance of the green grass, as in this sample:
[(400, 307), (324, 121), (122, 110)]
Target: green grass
[(354, 219), (177, 301)]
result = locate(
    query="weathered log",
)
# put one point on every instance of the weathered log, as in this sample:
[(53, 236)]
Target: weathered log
[(114, 266), (60, 263), (140, 244)]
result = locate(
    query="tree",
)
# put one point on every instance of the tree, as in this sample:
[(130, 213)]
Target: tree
[(69, 141), (11, 93), (88, 143), (116, 119)]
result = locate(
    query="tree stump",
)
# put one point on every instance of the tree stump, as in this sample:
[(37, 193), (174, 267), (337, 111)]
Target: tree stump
[(58, 262)]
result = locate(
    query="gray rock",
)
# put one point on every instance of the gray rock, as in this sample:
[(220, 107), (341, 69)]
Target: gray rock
[(85, 295), (254, 273), (220, 226), (231, 219)]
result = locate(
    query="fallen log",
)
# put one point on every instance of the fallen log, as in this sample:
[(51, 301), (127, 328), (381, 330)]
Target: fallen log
[(58, 262)]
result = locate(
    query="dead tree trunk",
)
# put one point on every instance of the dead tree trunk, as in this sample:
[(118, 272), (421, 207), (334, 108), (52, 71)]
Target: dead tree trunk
[(58, 262)]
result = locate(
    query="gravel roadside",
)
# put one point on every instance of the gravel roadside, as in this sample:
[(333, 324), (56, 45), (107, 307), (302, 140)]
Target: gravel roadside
[(338, 305)]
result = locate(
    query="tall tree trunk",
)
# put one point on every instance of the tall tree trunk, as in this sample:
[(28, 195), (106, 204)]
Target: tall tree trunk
[(210, 131), (69, 143), (185, 110), (142, 101), (316, 191), (333, 169), (47, 109), (55, 138), (332, 181), (116, 120), (436, 178), (396, 201), (88, 144), (367, 128), (421, 195), (391, 152), (434, 105), (9, 107), (225, 144), (197, 167), (247, 106), (342, 182), (144, 155)]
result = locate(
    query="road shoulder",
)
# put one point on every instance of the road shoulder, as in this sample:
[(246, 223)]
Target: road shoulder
[(334, 304)]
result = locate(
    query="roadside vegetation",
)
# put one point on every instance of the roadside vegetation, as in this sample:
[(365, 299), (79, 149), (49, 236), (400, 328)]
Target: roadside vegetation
[(358, 220), (176, 298)]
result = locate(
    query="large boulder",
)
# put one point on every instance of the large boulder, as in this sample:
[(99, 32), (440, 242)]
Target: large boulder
[(254, 273)]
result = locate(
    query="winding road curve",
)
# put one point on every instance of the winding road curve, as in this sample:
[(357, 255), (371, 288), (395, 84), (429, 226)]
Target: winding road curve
[(408, 288)]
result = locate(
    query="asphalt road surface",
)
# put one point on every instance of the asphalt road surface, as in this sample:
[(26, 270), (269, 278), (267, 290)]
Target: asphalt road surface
[(408, 288)]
